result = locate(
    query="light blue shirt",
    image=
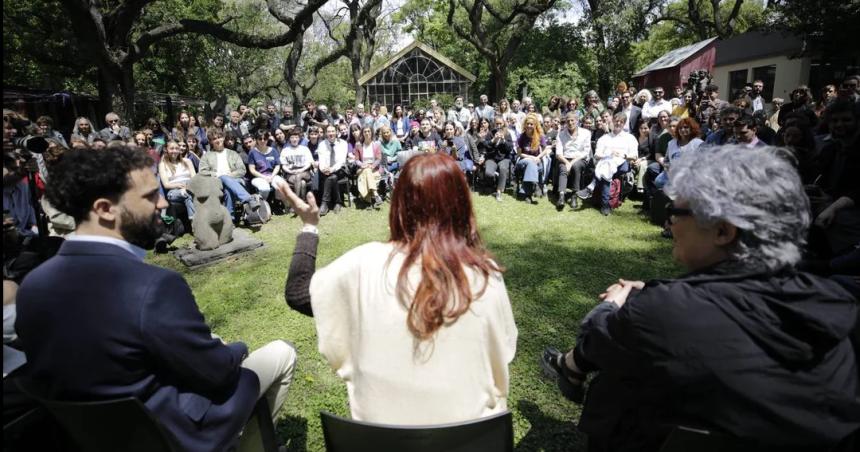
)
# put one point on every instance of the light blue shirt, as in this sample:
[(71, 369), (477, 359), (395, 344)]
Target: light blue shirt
[(136, 251)]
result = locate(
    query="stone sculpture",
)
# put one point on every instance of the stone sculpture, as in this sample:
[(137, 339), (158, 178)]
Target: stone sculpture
[(212, 224)]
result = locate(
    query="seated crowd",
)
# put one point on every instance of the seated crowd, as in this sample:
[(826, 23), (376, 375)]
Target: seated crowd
[(763, 213)]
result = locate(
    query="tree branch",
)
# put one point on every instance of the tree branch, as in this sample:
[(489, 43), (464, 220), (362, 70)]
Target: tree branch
[(300, 20)]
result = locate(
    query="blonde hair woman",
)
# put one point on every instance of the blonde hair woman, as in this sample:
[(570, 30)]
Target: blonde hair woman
[(531, 149)]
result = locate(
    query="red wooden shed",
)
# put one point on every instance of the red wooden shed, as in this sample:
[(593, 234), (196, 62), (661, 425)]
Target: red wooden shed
[(673, 68)]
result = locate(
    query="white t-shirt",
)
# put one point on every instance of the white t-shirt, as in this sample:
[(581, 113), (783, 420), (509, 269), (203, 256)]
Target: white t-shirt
[(363, 334), (295, 158), (673, 151), (622, 145), (654, 107), (222, 168)]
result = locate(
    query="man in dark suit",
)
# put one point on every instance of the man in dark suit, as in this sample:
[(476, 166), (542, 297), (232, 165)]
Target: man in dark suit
[(96, 322), (634, 113)]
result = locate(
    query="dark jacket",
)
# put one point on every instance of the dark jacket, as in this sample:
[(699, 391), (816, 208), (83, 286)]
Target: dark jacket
[(760, 357), (838, 167), (96, 324)]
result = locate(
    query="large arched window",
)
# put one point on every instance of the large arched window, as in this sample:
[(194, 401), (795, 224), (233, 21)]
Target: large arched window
[(414, 76)]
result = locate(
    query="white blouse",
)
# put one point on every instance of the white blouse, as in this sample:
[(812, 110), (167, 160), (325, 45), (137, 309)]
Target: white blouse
[(461, 374)]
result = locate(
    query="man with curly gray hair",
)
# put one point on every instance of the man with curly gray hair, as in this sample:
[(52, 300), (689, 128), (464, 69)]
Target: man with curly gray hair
[(744, 345)]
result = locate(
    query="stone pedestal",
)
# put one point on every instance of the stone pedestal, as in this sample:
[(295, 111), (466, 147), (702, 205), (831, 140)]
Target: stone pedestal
[(242, 243)]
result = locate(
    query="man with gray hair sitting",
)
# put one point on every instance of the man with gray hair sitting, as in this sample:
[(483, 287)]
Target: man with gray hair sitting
[(114, 130), (744, 345)]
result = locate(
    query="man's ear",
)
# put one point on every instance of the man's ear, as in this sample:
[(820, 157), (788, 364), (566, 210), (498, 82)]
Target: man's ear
[(105, 209), (726, 234)]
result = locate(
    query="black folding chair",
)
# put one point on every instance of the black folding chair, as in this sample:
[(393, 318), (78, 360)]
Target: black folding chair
[(489, 434), (111, 425), (126, 425)]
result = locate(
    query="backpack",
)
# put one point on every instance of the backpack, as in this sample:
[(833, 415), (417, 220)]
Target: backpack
[(261, 216)]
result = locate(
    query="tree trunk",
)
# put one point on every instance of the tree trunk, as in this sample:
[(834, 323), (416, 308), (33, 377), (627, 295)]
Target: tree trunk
[(298, 100), (355, 65), (107, 91), (117, 93), (498, 84), (129, 95)]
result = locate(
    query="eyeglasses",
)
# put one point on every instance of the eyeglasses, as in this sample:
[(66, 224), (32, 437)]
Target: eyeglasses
[(672, 211), (111, 121)]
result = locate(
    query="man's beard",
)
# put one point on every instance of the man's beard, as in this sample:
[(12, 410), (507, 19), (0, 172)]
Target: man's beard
[(142, 232)]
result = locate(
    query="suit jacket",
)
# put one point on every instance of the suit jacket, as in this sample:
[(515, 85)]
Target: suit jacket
[(635, 116), (96, 323)]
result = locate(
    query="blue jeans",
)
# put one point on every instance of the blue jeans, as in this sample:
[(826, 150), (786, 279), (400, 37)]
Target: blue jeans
[(233, 189), (606, 185), (466, 165), (177, 195), (531, 174)]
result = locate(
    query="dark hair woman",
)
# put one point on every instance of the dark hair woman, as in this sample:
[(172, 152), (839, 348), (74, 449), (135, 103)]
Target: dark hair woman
[(409, 316)]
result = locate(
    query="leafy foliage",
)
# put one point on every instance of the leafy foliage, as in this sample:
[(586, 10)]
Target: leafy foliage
[(671, 34), (39, 51), (829, 27)]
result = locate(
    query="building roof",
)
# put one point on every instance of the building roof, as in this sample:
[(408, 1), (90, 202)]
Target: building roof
[(675, 57), (754, 45), (425, 48)]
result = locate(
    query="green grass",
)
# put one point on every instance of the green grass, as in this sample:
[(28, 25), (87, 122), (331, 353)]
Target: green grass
[(556, 264)]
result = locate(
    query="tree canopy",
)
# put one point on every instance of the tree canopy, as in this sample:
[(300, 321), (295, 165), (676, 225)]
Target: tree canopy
[(231, 49)]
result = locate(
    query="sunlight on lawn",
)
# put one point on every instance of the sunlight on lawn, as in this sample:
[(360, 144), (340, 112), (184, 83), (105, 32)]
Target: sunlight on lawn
[(556, 264)]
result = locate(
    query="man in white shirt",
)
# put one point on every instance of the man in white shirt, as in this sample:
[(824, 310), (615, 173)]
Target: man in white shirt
[(572, 150), (758, 101), (655, 105), (485, 110), (459, 113), (519, 114), (332, 160), (614, 149)]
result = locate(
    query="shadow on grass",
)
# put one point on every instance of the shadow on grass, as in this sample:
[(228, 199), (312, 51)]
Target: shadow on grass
[(293, 431), (547, 433)]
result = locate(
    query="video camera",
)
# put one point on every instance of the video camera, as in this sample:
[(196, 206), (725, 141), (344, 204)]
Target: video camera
[(697, 81)]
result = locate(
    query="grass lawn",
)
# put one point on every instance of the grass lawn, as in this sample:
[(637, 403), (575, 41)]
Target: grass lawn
[(556, 264)]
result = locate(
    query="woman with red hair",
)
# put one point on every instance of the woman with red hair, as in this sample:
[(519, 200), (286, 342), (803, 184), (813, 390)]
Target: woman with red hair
[(419, 327)]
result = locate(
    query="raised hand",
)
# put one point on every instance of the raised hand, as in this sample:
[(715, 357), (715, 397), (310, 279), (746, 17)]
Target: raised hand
[(308, 211)]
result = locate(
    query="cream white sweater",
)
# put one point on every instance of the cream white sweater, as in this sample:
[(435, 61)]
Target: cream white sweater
[(391, 378)]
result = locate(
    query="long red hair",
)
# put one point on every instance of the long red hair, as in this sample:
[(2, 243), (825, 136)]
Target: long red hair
[(432, 221)]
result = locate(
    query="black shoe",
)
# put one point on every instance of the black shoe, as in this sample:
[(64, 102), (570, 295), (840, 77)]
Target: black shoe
[(531, 200), (605, 211), (337, 208), (550, 363), (377, 202), (323, 209), (560, 202), (584, 193), (574, 202), (666, 233)]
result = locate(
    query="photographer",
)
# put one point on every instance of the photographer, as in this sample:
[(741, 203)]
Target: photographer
[(456, 147), (711, 103), (17, 206)]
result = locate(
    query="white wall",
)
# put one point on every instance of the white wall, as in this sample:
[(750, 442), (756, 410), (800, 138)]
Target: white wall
[(789, 74)]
